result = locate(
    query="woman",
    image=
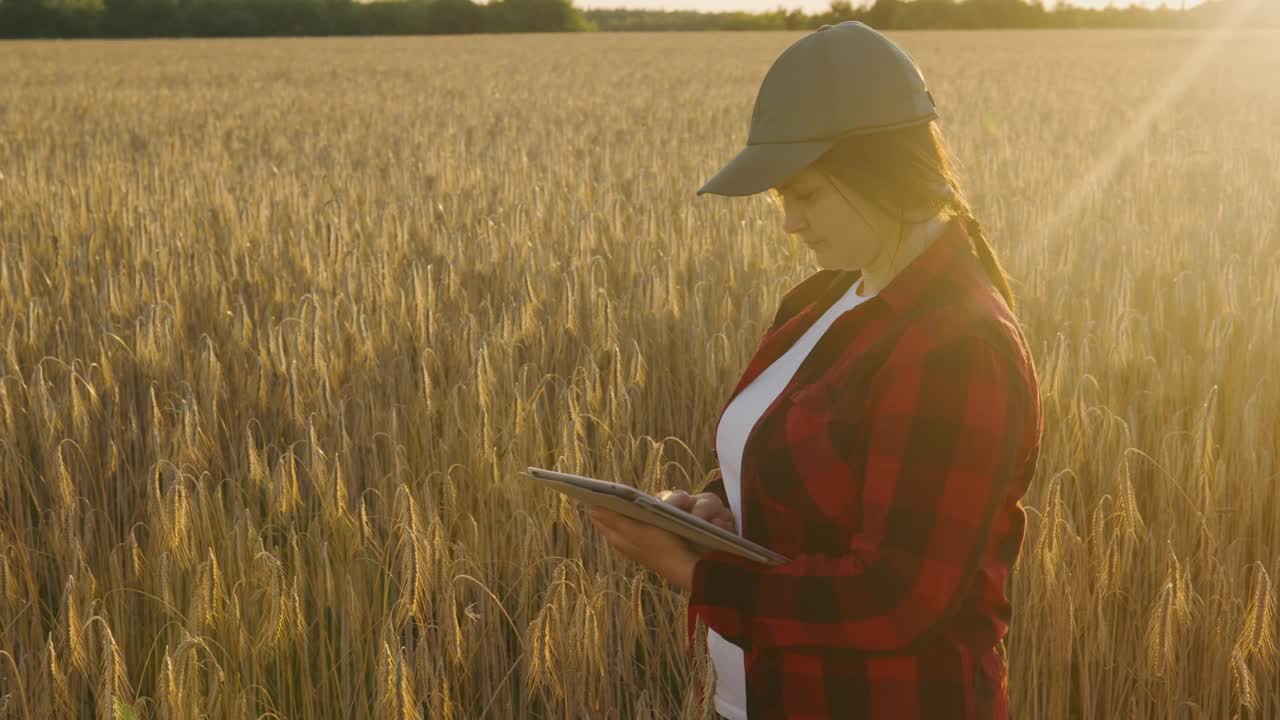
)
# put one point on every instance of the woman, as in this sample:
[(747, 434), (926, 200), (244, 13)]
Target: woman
[(883, 433)]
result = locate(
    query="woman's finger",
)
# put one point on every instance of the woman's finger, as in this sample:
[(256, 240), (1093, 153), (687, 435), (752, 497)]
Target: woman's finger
[(708, 507), (619, 541), (604, 530), (616, 523), (677, 498)]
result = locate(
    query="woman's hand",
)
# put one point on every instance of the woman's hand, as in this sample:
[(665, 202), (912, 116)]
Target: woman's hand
[(707, 506), (662, 552)]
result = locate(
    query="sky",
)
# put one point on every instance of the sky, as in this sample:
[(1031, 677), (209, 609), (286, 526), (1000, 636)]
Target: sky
[(810, 5)]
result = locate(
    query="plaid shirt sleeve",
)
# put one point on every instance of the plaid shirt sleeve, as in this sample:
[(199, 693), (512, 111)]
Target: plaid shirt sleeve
[(947, 438)]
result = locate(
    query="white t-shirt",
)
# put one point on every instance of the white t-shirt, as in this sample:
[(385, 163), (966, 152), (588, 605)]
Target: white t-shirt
[(731, 437)]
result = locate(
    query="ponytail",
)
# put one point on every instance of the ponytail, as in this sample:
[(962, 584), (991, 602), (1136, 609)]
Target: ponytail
[(995, 272)]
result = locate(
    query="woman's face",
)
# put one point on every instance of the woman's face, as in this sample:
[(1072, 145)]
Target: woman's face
[(842, 233)]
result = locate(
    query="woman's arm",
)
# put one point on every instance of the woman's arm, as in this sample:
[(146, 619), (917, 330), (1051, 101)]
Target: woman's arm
[(948, 437)]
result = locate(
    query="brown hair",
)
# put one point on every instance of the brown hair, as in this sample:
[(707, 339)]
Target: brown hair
[(909, 175)]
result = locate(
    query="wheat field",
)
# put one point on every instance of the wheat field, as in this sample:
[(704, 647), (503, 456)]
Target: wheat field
[(282, 323)]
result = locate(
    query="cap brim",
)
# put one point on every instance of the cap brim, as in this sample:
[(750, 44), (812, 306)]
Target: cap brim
[(760, 167)]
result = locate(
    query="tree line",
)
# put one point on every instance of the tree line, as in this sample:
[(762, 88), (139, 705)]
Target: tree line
[(231, 18), (245, 18), (938, 14)]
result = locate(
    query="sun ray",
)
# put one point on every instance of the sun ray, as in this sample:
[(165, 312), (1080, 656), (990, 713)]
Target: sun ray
[(1104, 167)]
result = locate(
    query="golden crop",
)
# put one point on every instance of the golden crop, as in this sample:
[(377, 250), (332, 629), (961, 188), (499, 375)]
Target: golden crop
[(283, 321)]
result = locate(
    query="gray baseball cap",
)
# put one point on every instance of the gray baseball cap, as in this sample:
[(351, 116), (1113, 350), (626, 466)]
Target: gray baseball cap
[(837, 81)]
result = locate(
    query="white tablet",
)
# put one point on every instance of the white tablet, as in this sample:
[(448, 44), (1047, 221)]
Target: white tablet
[(626, 500)]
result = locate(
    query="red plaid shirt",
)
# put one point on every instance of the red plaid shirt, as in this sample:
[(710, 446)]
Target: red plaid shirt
[(889, 471)]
